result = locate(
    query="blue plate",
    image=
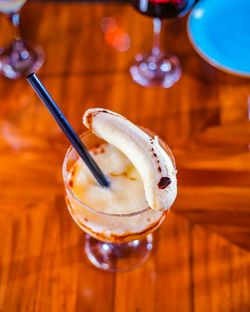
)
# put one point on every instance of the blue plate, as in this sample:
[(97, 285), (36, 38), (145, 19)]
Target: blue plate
[(220, 33)]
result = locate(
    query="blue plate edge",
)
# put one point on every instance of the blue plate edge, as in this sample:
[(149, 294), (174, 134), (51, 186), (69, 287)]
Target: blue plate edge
[(210, 60)]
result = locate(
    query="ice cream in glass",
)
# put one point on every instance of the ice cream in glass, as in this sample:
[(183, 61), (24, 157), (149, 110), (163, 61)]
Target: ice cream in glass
[(119, 220)]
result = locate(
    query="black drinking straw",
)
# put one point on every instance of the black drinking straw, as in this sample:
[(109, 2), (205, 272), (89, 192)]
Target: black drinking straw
[(67, 129)]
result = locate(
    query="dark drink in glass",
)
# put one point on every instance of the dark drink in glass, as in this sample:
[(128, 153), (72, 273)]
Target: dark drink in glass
[(163, 8), (155, 68)]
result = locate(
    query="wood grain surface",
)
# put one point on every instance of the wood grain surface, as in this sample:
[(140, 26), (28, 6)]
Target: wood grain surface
[(202, 261)]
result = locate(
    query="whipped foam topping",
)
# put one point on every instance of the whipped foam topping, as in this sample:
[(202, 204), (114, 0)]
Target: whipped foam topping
[(121, 212), (125, 194), (150, 159)]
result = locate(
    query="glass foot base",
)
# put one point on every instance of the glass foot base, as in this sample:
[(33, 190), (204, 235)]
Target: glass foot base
[(20, 59), (118, 257), (150, 70)]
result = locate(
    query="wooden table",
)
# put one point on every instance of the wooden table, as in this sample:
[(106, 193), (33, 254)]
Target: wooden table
[(202, 261)]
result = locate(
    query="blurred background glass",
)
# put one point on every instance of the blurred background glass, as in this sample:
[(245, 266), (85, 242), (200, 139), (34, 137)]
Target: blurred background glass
[(20, 57), (156, 67)]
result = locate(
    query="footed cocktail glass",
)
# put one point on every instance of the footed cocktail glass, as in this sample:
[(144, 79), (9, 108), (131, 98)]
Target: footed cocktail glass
[(114, 242)]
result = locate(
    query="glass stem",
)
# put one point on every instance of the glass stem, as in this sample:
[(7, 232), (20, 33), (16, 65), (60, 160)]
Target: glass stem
[(15, 21), (156, 51)]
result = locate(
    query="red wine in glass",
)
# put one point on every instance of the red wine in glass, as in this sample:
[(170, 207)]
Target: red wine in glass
[(156, 68), (163, 8)]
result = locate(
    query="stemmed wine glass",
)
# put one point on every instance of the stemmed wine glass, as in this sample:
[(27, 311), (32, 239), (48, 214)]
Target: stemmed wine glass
[(157, 68), (21, 57)]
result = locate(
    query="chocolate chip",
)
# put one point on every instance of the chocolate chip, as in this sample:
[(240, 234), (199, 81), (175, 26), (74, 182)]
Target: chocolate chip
[(164, 182)]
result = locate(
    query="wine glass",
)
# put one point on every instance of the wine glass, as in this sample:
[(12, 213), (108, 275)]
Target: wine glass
[(157, 68), (21, 57), (114, 242)]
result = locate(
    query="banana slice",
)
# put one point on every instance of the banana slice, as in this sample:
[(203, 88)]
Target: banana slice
[(145, 153)]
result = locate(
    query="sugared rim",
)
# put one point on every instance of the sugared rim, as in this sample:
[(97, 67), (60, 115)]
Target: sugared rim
[(69, 189)]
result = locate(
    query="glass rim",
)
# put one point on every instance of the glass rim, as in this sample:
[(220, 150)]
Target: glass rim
[(69, 189)]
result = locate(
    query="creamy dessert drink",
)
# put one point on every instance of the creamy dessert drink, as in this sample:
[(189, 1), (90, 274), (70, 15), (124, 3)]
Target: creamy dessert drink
[(11, 6), (142, 177)]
